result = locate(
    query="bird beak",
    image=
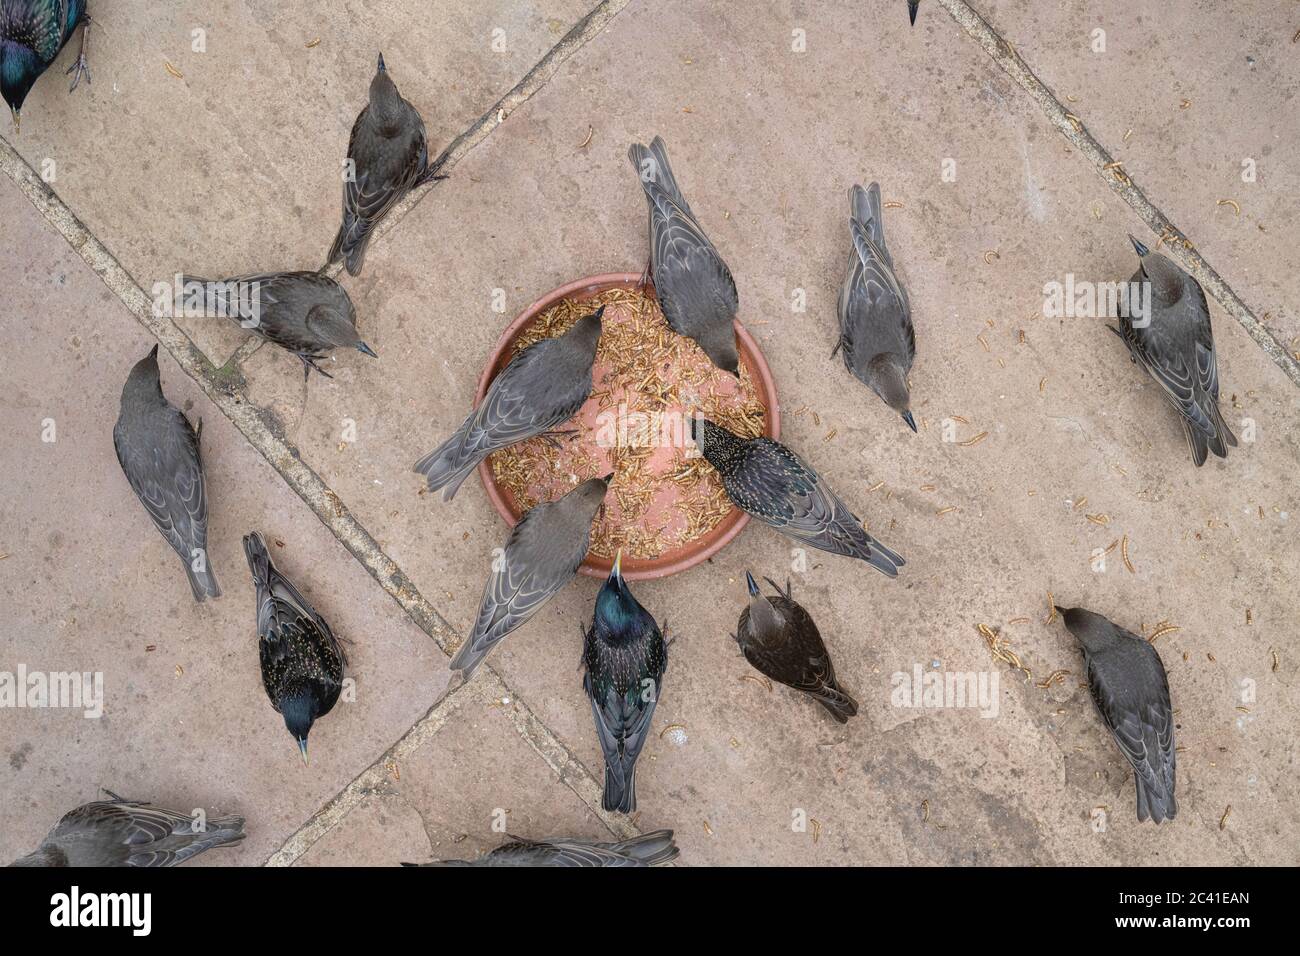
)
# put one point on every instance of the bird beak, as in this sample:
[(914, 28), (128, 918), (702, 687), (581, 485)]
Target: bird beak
[(616, 572), (597, 314), (751, 584), (382, 68), (302, 747), (911, 10), (911, 422), (608, 478), (18, 120), (1142, 250), (365, 349)]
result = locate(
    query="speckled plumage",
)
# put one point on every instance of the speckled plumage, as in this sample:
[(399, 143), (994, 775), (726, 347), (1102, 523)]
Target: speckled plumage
[(693, 284), (159, 451), (302, 662), (305, 313), (1131, 690), (541, 556), (625, 657), (778, 637), (776, 486), (32, 34), (1176, 348), (120, 832), (388, 154), (648, 849), (877, 340), (542, 387)]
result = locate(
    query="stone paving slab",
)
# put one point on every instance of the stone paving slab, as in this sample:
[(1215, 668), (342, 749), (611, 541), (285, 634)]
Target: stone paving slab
[(531, 210), (89, 585)]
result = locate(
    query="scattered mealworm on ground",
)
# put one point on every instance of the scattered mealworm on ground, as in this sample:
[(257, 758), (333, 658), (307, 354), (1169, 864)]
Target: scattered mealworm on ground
[(1223, 820), (1022, 337), (1115, 165), (994, 254), (927, 487), (1081, 502), (671, 727), (311, 44), (1123, 550), (591, 131), (983, 341), (925, 811), (1276, 661), (1184, 104), (1113, 545), (1128, 134), (1249, 616), (760, 681), (1211, 658), (944, 511), (958, 418), (154, 647), (893, 205), (1056, 677), (1042, 385), (1051, 606), (180, 671), (1233, 203), (877, 486), (1018, 620), (1101, 519), (173, 71), (1162, 630), (831, 434), (708, 829), (817, 828), (974, 441)]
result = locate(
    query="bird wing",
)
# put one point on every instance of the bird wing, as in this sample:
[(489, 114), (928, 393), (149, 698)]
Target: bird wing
[(374, 190), (622, 724), (564, 853), (129, 832), (42, 25), (1140, 717), (1181, 357), (875, 314), (797, 657), (167, 477)]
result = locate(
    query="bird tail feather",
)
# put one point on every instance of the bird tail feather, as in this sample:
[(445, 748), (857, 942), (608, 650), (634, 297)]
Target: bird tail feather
[(864, 206), (658, 171), (620, 789), (838, 702), (259, 559), (447, 465), (652, 849), (225, 832), (203, 582), (884, 560), (1196, 441), (1154, 806)]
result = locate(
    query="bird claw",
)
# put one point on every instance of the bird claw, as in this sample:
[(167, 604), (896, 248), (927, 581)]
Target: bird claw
[(82, 68)]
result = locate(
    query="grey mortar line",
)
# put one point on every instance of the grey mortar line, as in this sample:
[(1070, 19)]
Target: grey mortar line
[(1177, 246), (226, 391)]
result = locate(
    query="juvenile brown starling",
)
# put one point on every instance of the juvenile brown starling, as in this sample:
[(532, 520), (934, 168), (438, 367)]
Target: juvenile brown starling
[(388, 156), (776, 486), (119, 832), (1175, 345), (778, 637), (1131, 691), (158, 450), (693, 284), (541, 556), (543, 387), (305, 313), (648, 849), (302, 662), (876, 335), (625, 657)]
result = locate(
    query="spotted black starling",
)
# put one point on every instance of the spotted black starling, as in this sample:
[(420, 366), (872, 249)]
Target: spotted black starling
[(159, 453), (32, 34), (1131, 691), (625, 657), (649, 849), (876, 334), (541, 556), (1175, 345), (779, 638), (388, 156), (776, 486), (302, 662), (693, 284), (544, 386), (305, 313), (119, 832)]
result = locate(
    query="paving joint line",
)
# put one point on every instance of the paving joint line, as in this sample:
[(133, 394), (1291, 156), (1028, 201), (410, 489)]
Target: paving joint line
[(1178, 246), (225, 388)]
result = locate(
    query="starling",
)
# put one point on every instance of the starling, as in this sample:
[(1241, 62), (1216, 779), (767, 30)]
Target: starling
[(776, 486), (1175, 345), (693, 284), (388, 156), (544, 386), (159, 453), (541, 556), (302, 662), (305, 313), (876, 334), (625, 657), (121, 832), (1131, 691), (778, 637), (912, 6), (649, 849), (32, 34)]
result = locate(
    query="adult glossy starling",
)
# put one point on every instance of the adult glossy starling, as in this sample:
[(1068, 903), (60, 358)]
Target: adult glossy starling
[(776, 486), (302, 662), (388, 156), (693, 284), (119, 832), (648, 849), (779, 638), (544, 386), (32, 34), (541, 556), (912, 6), (876, 335), (624, 656), (1175, 345), (159, 453), (1131, 691), (305, 313)]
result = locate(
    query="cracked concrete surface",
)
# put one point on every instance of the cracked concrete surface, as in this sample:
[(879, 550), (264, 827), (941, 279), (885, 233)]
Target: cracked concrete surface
[(765, 141)]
